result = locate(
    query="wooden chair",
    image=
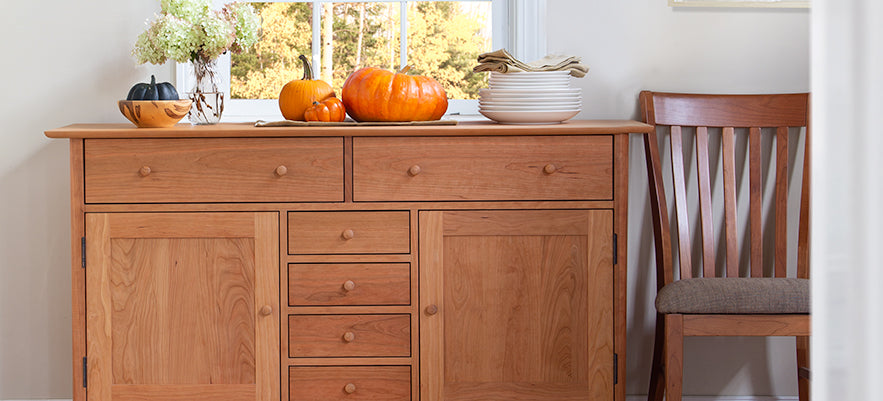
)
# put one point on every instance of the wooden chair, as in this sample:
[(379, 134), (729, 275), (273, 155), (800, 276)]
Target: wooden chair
[(735, 298)]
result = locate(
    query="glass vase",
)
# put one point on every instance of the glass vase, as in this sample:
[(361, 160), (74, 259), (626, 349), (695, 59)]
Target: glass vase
[(208, 100)]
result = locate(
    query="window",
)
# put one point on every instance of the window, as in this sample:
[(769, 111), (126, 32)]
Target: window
[(439, 38)]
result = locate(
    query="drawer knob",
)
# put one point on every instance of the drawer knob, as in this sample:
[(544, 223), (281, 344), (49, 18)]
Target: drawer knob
[(349, 388), (550, 169), (348, 234), (266, 310), (349, 285), (144, 171), (281, 170), (414, 170), (349, 336), (431, 310)]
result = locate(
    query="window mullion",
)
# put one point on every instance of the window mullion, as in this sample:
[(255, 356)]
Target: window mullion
[(403, 34), (317, 37)]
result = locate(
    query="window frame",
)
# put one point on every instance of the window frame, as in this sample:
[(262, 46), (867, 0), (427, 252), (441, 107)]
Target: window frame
[(518, 26)]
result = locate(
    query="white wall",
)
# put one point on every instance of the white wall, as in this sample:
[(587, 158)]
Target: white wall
[(631, 45), (62, 62), (65, 62)]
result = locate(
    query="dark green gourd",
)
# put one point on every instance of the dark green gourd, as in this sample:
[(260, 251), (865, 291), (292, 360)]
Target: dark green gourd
[(153, 91)]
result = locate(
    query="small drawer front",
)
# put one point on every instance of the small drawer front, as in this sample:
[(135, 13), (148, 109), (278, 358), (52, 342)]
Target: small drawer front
[(214, 170), (349, 284), (333, 383), (317, 233), (483, 168), (349, 335)]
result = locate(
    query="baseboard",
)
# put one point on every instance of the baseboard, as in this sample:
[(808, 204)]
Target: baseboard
[(722, 398)]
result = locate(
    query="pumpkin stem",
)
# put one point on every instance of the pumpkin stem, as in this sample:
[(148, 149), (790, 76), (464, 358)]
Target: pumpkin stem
[(308, 71), (405, 69)]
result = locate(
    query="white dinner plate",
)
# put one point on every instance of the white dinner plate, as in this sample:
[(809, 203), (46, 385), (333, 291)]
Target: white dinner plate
[(531, 85), (535, 117), (532, 92), (554, 80), (533, 104), (529, 99), (530, 108), (523, 74)]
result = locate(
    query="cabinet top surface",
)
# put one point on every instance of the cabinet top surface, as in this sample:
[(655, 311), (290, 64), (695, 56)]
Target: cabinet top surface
[(126, 130)]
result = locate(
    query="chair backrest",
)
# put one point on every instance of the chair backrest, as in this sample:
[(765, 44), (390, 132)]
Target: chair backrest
[(682, 115)]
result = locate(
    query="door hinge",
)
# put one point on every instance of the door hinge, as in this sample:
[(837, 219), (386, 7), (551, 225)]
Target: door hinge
[(615, 249), (85, 370), (83, 251), (615, 369)]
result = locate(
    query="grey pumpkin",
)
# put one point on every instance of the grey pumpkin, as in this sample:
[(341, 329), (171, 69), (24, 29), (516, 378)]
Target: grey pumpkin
[(153, 91)]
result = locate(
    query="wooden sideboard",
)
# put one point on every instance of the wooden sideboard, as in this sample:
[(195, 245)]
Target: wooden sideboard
[(476, 261)]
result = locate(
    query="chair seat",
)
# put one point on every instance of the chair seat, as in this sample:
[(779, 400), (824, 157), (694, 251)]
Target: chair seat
[(735, 296)]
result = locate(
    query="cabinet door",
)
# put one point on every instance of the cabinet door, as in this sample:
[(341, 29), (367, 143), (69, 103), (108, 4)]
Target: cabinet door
[(516, 305), (182, 306)]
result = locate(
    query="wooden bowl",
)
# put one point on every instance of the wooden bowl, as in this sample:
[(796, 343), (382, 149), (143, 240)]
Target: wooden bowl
[(154, 113)]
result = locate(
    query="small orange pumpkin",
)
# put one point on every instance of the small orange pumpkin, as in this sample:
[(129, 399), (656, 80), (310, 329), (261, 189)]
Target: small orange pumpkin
[(328, 110), (299, 94), (374, 94)]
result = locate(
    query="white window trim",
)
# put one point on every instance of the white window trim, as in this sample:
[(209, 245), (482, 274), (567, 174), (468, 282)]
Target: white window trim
[(518, 26)]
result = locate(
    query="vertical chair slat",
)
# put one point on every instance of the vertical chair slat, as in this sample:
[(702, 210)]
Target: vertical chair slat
[(755, 207), (705, 212), (659, 211), (781, 201), (730, 229), (803, 233), (679, 179)]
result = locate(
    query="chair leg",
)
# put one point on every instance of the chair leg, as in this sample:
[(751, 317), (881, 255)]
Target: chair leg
[(657, 372), (803, 372), (674, 356)]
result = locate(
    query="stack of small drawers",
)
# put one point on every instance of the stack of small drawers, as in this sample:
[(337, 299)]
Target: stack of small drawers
[(349, 296)]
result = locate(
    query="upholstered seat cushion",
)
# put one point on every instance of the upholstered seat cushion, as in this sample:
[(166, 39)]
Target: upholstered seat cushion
[(735, 296)]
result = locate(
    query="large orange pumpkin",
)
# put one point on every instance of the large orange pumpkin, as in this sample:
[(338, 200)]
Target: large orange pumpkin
[(374, 94), (299, 94), (328, 110)]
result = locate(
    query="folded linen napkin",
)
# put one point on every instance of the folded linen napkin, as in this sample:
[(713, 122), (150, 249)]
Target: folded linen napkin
[(502, 61)]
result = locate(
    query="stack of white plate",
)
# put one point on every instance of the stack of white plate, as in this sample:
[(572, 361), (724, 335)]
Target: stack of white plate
[(530, 98)]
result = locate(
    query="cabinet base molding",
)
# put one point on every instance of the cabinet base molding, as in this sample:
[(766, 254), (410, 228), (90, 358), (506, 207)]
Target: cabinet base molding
[(724, 398)]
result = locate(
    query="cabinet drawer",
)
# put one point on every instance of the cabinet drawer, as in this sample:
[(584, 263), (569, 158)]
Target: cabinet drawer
[(349, 284), (331, 383), (483, 168), (349, 335), (311, 233), (214, 170)]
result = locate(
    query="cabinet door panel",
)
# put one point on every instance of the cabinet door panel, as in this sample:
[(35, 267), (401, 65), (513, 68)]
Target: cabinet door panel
[(182, 303), (522, 302)]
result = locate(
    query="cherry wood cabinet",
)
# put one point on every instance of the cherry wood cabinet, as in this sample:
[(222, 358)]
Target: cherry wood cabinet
[(476, 261)]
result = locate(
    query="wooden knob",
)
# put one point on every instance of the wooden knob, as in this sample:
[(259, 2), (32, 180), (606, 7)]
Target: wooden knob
[(266, 310), (349, 285), (349, 336), (348, 234), (550, 169), (414, 170), (281, 170), (145, 171), (431, 310), (349, 388)]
